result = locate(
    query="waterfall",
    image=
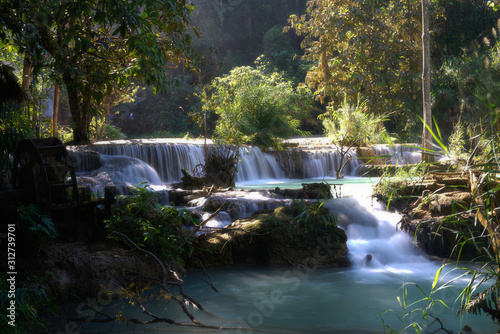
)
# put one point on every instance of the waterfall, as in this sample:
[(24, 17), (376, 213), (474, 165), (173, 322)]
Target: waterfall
[(166, 158), (120, 173), (256, 165), (374, 242), (325, 164), (398, 154)]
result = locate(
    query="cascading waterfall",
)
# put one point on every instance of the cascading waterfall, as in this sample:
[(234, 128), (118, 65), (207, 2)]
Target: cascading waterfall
[(335, 300), (398, 154), (374, 241), (256, 165), (166, 158), (325, 164), (120, 173), (169, 158)]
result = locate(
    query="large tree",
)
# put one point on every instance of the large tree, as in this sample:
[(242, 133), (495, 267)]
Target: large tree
[(365, 46), (96, 45)]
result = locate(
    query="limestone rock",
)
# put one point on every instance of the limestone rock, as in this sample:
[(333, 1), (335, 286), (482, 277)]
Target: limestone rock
[(366, 155), (277, 238)]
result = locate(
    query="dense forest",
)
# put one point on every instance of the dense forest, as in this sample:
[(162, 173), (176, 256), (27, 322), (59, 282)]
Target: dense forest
[(365, 50)]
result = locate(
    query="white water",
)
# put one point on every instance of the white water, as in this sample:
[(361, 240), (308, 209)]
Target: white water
[(311, 300), (168, 157), (121, 172), (349, 300), (325, 164), (398, 154)]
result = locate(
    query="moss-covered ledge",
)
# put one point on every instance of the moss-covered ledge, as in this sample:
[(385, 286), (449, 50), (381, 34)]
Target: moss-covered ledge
[(287, 236)]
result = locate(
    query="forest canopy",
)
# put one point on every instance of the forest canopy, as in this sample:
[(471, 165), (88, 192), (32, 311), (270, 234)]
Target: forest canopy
[(133, 66)]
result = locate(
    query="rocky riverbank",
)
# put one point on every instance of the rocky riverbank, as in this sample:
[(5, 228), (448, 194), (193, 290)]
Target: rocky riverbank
[(443, 213)]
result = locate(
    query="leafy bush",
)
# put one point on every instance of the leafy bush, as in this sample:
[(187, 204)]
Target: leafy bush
[(36, 225), (254, 107), (31, 298), (351, 125), (156, 228), (393, 183), (14, 127), (101, 130)]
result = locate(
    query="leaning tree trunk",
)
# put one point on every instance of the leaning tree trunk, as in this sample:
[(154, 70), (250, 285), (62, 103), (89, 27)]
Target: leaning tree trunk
[(426, 83)]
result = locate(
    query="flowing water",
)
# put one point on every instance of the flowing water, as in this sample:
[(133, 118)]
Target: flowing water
[(358, 299)]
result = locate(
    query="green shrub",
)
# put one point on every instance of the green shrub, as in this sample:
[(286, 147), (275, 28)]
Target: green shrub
[(254, 107), (30, 299), (36, 225), (156, 228)]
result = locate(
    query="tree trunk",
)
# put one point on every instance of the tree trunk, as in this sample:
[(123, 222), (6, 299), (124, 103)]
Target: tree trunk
[(26, 83), (426, 83), (55, 112), (79, 121)]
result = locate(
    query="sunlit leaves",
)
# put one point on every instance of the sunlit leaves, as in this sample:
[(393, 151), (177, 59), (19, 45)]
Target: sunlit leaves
[(93, 43), (254, 107), (361, 46)]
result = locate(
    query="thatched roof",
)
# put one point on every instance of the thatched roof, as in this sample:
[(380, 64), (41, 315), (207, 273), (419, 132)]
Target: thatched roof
[(10, 90)]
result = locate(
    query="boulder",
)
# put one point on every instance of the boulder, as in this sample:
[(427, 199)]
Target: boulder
[(280, 237)]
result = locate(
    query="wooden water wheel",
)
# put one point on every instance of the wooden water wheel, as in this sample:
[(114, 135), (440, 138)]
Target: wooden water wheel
[(45, 172)]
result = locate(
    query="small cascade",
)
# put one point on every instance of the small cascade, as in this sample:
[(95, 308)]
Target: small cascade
[(120, 173), (166, 158), (256, 165), (398, 154), (240, 204), (374, 242), (325, 163)]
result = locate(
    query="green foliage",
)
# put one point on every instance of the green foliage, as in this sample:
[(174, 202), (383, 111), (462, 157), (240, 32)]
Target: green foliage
[(467, 87), (31, 298), (314, 217), (156, 228), (279, 56), (392, 184), (254, 107), (36, 225), (366, 47), (457, 24), (65, 134), (14, 127), (136, 40), (101, 130), (456, 145), (417, 315), (351, 125)]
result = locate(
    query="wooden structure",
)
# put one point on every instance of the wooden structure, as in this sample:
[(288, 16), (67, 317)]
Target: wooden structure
[(44, 172)]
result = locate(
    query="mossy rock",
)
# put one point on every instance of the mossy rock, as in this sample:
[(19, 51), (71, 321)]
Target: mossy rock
[(287, 236)]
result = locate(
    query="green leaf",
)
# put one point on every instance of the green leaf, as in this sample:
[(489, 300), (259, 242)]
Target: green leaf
[(436, 277)]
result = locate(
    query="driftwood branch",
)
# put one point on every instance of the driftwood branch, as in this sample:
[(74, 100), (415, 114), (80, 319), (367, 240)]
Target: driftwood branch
[(181, 300)]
